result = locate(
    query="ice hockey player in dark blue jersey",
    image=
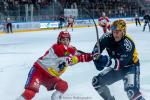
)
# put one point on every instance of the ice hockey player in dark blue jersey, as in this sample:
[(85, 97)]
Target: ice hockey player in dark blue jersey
[(146, 21), (121, 63)]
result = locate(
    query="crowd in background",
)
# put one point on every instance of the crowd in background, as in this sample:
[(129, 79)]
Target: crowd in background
[(47, 9)]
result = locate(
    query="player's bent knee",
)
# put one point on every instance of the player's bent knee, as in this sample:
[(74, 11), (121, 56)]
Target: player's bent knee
[(28, 94), (100, 87), (61, 86), (97, 82)]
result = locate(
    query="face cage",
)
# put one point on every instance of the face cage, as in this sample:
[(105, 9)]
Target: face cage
[(58, 40)]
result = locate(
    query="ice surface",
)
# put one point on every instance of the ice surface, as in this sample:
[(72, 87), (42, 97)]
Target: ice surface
[(18, 52)]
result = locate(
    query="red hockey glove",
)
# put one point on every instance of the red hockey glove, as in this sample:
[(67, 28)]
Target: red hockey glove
[(79, 58), (85, 57)]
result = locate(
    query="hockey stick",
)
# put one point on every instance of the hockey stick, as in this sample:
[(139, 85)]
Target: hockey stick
[(66, 28), (81, 52), (97, 35)]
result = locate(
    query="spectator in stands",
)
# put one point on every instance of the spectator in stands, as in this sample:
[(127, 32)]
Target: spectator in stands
[(114, 8)]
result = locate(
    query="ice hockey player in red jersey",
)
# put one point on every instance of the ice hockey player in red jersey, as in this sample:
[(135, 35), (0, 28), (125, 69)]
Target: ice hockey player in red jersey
[(104, 22), (70, 22), (47, 69)]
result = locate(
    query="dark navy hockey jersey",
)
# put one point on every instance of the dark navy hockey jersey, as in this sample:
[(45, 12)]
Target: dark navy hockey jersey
[(124, 51)]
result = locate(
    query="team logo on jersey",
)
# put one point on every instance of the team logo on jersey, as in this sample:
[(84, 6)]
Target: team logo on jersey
[(36, 84), (128, 45), (66, 53), (61, 66)]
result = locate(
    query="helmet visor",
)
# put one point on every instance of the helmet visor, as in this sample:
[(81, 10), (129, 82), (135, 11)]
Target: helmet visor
[(113, 28)]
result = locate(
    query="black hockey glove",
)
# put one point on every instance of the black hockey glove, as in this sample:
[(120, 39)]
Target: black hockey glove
[(104, 61), (95, 54)]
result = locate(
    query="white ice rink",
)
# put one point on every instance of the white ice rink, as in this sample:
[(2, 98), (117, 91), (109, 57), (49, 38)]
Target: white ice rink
[(18, 52)]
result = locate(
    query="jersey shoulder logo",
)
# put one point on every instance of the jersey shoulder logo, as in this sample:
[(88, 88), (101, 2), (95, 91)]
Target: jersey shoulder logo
[(128, 45)]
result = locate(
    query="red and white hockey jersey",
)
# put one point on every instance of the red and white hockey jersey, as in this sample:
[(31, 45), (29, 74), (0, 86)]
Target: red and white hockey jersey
[(70, 20), (56, 59), (103, 21)]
